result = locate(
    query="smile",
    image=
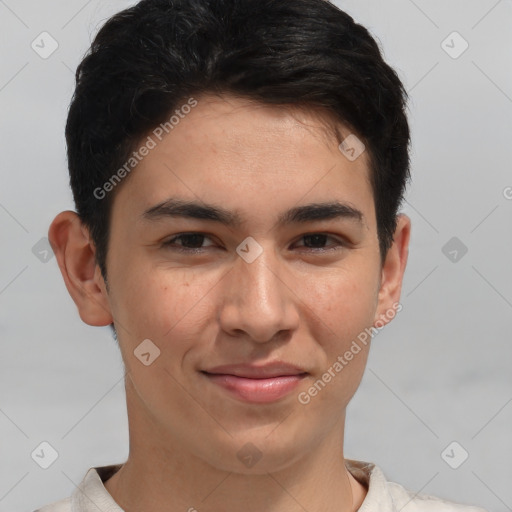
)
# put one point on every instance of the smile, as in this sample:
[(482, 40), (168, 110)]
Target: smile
[(256, 390)]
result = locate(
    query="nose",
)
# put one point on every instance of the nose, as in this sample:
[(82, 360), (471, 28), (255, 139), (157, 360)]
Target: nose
[(258, 300)]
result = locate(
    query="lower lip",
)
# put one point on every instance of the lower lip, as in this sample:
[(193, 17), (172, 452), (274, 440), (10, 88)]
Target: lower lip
[(257, 390)]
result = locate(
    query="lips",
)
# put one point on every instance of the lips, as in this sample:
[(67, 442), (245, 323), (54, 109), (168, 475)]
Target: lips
[(257, 384), (251, 371)]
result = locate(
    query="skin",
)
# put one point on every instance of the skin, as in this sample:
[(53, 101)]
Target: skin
[(297, 302)]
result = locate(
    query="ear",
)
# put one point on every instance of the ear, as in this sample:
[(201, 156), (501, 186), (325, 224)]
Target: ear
[(392, 273), (75, 254)]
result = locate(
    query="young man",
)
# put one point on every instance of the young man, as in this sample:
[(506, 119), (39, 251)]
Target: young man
[(237, 168)]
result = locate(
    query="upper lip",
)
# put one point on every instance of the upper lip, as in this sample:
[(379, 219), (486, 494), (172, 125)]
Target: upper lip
[(274, 369)]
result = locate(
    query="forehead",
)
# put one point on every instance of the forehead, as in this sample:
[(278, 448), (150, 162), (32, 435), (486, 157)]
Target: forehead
[(235, 118), (235, 151)]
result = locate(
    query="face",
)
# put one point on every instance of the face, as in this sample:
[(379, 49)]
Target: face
[(264, 288)]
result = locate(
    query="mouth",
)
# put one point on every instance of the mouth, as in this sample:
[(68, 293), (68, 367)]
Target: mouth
[(257, 390), (249, 383)]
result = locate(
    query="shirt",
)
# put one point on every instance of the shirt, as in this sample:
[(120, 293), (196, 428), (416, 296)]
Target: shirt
[(382, 495)]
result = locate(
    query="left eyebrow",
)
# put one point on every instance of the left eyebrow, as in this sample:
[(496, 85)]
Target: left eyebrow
[(321, 211), (174, 207)]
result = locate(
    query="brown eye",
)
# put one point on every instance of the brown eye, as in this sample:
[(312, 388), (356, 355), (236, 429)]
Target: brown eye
[(190, 242), (317, 241)]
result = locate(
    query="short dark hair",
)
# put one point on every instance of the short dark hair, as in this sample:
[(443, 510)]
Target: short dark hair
[(148, 59)]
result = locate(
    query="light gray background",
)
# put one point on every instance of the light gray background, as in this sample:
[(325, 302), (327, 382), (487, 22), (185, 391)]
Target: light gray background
[(440, 372)]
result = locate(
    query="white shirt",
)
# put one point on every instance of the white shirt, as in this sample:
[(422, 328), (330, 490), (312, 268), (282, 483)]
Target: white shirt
[(382, 496)]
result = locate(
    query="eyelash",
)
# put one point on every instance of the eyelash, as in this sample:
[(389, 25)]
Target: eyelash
[(198, 250)]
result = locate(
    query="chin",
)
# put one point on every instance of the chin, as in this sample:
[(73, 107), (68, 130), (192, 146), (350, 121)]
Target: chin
[(254, 455)]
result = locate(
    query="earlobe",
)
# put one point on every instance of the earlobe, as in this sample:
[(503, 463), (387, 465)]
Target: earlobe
[(75, 254), (393, 271)]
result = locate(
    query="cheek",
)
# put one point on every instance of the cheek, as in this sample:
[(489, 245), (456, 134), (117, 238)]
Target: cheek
[(163, 304), (340, 311), (342, 303), (340, 307)]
